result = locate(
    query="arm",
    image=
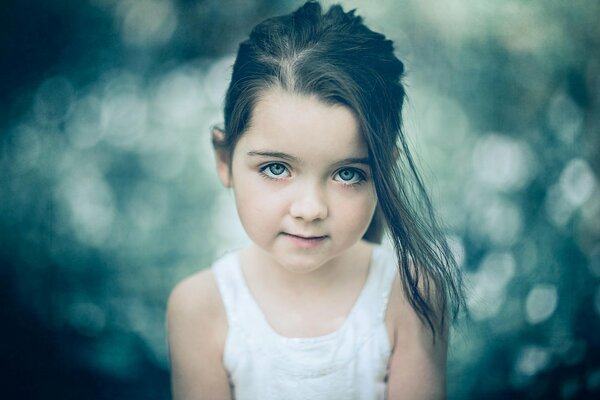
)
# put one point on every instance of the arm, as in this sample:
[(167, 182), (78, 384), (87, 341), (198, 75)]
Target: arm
[(417, 364), (197, 327)]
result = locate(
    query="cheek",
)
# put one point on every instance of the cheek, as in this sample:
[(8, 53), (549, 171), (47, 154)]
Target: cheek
[(356, 212), (255, 203)]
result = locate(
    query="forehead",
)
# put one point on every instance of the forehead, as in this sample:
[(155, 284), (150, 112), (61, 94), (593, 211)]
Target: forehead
[(303, 125)]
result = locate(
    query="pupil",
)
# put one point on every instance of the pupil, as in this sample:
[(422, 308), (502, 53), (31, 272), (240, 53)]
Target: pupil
[(347, 175)]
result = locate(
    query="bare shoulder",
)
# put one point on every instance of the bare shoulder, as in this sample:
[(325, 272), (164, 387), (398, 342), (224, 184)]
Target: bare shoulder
[(418, 362), (197, 329), (404, 320), (195, 297), (195, 309)]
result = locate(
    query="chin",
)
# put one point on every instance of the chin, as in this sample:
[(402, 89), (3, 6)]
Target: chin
[(301, 264)]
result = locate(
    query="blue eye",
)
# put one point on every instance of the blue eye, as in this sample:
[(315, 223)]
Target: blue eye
[(275, 170), (349, 176)]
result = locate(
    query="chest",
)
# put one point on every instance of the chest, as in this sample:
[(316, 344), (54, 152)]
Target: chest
[(314, 347), (347, 358), (311, 316)]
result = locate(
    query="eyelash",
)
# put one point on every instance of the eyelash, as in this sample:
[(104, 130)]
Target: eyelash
[(361, 176), (266, 167)]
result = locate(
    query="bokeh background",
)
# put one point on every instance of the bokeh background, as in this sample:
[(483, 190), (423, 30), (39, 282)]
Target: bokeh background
[(108, 195)]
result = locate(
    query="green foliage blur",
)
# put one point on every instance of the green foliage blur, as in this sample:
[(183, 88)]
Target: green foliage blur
[(108, 194)]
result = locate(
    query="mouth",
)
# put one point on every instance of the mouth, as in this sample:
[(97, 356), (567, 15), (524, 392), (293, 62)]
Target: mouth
[(305, 242)]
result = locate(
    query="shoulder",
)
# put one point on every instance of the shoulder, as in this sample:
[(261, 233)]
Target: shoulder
[(195, 292), (197, 330), (406, 322), (195, 301), (414, 350), (196, 314), (400, 312)]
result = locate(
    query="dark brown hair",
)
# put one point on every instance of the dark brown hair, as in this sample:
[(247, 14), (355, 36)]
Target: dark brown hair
[(340, 60)]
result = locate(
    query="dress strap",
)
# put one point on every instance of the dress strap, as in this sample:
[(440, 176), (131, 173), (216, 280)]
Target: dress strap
[(240, 306), (379, 284), (228, 280)]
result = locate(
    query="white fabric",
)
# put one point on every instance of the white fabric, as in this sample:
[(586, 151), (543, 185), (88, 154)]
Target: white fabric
[(350, 363)]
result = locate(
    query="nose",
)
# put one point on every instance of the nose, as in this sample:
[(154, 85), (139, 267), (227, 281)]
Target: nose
[(309, 203)]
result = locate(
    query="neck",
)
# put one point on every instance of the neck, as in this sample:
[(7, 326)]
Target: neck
[(277, 278)]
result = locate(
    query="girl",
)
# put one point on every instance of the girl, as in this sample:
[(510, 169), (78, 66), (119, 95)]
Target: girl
[(313, 308)]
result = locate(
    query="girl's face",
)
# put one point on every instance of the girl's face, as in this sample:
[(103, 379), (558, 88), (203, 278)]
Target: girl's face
[(301, 180)]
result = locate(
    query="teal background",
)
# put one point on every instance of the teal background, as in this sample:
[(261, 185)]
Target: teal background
[(108, 195)]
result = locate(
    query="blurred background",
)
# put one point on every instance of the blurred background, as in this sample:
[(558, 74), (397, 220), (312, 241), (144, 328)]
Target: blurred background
[(108, 195)]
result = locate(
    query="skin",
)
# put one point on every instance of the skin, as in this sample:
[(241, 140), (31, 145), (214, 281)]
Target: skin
[(304, 195)]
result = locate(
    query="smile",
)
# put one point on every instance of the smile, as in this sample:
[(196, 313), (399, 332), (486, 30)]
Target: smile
[(305, 242)]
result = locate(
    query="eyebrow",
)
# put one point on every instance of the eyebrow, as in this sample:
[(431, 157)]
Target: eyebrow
[(290, 158), (273, 154)]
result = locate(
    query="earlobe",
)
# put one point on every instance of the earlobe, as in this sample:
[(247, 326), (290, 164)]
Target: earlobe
[(221, 156)]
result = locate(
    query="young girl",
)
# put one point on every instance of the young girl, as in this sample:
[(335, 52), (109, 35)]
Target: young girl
[(313, 308)]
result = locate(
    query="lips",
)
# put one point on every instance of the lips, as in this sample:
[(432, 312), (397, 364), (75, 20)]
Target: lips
[(305, 241), (305, 236)]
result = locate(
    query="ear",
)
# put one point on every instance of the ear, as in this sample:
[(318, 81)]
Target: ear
[(221, 156)]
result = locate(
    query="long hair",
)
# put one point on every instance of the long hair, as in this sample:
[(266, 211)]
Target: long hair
[(340, 60)]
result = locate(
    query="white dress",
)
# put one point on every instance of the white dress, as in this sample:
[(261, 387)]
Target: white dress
[(350, 363)]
